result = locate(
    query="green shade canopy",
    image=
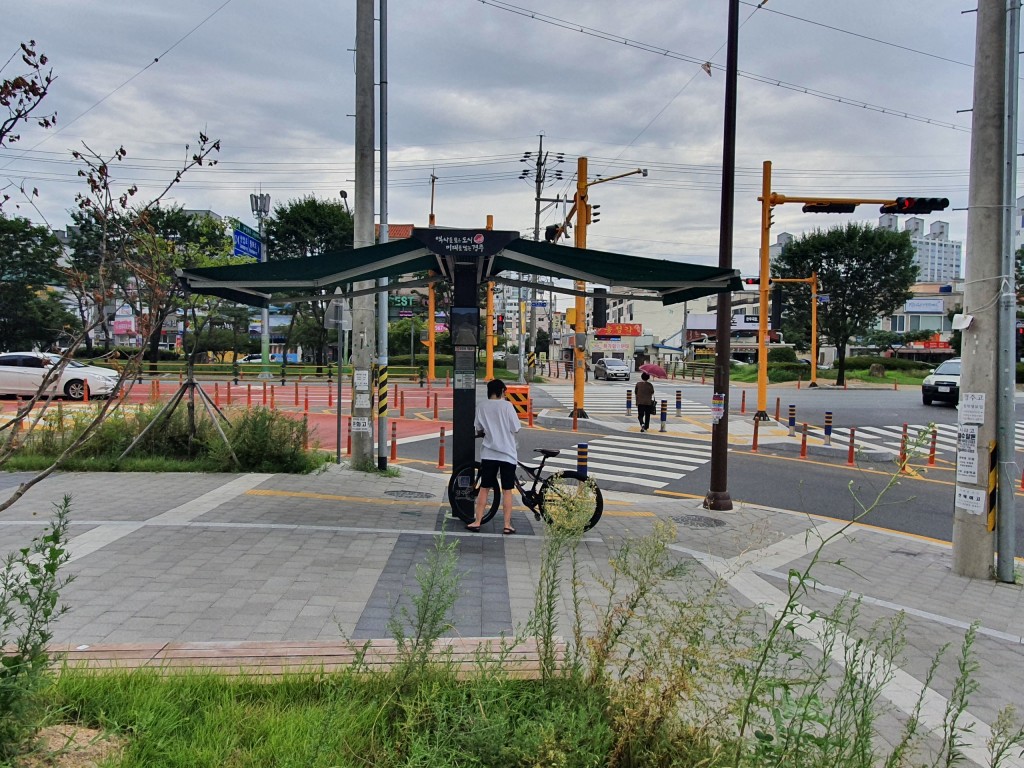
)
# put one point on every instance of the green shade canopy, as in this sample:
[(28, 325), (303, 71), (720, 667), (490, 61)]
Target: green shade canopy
[(292, 280)]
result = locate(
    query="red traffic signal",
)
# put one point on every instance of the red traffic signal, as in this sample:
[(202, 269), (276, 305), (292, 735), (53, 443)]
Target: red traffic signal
[(915, 205), (830, 208), (754, 281)]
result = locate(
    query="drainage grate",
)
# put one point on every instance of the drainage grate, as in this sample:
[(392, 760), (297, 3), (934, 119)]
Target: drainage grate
[(409, 494), (698, 521)]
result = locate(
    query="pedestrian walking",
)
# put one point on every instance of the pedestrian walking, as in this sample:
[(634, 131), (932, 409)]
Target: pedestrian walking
[(497, 422), (643, 392)]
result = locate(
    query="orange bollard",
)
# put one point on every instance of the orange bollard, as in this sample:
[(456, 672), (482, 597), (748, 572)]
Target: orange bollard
[(702, 377), (931, 453), (436, 398), (348, 444), (228, 385), (849, 456), (401, 405), (440, 451), (153, 396), (575, 425), (297, 393), (394, 441), (427, 403), (844, 385), (529, 411), (216, 393), (264, 394), (896, 385), (248, 395), (330, 395), (305, 402), (446, 382), (743, 401), (179, 378), (778, 405), (753, 444), (272, 390), (85, 391), (803, 443), (798, 380)]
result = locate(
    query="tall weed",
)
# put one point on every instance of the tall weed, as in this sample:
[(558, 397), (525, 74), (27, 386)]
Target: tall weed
[(30, 585)]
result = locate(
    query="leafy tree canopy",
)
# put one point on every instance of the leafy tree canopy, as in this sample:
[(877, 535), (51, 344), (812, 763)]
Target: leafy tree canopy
[(308, 227), (865, 271), (30, 313)]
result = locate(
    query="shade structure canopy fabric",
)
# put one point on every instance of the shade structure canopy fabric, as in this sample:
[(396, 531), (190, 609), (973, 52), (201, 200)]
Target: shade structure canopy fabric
[(500, 254)]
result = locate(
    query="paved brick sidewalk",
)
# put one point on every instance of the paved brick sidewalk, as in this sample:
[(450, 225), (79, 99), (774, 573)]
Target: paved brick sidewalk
[(195, 558)]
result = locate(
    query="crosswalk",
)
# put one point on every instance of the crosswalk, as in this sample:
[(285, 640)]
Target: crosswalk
[(610, 399), (888, 439), (650, 461)]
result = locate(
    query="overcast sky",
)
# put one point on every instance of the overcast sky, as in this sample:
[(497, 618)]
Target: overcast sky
[(473, 84)]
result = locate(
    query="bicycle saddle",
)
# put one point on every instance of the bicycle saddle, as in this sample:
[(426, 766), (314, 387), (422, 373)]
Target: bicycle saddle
[(547, 452)]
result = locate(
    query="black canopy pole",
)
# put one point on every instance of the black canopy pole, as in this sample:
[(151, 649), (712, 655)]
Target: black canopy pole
[(718, 495)]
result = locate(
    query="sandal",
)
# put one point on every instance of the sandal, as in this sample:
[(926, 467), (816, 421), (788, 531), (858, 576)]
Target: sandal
[(507, 530), (474, 527)]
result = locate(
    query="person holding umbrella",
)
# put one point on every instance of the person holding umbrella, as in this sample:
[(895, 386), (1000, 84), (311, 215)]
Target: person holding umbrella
[(644, 394)]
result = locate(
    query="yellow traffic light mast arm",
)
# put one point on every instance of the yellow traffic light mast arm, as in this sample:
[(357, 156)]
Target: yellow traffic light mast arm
[(774, 198)]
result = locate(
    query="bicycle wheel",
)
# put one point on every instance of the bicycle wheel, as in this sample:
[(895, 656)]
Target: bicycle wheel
[(462, 493), (570, 487)]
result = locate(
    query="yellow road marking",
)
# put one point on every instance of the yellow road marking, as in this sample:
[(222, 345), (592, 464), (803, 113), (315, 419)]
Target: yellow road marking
[(678, 495)]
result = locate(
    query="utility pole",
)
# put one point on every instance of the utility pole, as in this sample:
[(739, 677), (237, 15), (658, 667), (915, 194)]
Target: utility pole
[(431, 295), (363, 305), (986, 286), (382, 295), (539, 174)]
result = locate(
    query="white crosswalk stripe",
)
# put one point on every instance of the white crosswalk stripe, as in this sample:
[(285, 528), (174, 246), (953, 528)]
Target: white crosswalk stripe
[(611, 399), (888, 439), (649, 461)]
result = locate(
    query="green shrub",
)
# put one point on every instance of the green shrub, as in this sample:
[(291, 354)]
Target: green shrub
[(788, 371), (782, 355), (863, 362), (264, 441)]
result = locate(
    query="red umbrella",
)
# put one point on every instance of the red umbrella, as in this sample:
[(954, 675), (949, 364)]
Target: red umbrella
[(655, 370)]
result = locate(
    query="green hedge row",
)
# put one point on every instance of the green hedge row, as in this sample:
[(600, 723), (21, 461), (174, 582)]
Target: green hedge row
[(863, 362)]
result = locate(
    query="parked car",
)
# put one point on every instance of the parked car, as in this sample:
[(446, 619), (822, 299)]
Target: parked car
[(943, 383), (608, 368), (499, 355), (21, 374)]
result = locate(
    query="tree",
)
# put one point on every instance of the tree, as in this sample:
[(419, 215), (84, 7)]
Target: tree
[(304, 228), (865, 271), (31, 315), (894, 340), (21, 96)]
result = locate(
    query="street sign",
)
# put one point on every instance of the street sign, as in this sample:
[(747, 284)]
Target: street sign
[(824, 298), (247, 230), (246, 245), (539, 304)]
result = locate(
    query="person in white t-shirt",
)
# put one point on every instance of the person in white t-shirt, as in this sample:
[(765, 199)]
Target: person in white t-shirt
[(498, 423)]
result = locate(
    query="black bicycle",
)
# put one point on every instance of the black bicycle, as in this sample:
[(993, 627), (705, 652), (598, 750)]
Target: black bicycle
[(542, 495)]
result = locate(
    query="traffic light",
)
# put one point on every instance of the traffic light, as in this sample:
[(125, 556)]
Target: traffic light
[(593, 214), (600, 307), (776, 309), (916, 205), (499, 323), (830, 208), (570, 316), (754, 281)]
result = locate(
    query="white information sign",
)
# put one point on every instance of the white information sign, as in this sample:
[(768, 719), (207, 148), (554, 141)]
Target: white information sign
[(361, 380), (464, 381), (972, 407), (360, 424), (362, 400), (970, 500), (967, 466), (967, 439)]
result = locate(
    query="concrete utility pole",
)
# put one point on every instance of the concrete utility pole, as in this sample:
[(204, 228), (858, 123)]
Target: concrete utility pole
[(363, 306), (540, 171), (717, 497), (986, 286)]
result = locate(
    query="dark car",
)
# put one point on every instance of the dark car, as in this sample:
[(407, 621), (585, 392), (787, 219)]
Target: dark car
[(609, 368), (943, 383)]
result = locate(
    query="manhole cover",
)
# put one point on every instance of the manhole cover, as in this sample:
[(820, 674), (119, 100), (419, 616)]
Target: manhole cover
[(409, 494), (698, 521)]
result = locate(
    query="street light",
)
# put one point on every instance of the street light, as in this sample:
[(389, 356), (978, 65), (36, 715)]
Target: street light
[(260, 205)]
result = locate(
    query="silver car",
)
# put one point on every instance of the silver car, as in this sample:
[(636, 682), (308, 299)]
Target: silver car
[(609, 368), (21, 374)]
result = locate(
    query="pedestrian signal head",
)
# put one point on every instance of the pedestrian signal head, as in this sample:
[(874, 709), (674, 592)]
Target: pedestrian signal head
[(830, 208)]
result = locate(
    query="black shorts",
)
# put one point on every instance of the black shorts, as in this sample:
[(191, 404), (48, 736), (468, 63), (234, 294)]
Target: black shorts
[(489, 469)]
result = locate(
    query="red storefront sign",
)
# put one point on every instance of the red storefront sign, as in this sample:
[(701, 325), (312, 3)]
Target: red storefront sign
[(620, 329)]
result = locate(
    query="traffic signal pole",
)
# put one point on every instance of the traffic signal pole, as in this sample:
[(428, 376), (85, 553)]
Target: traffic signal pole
[(579, 350), (763, 287)]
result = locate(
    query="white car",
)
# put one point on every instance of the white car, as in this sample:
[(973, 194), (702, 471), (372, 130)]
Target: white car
[(499, 355), (21, 374)]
